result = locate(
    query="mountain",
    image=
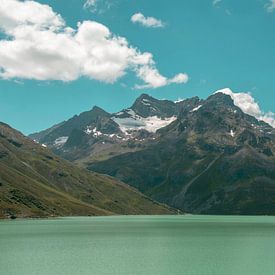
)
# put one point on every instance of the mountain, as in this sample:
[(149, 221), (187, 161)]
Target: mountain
[(97, 135), (213, 158), (36, 183)]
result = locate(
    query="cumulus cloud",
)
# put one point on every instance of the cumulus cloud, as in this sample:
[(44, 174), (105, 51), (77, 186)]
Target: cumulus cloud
[(270, 6), (179, 78), (39, 45), (15, 13), (248, 105), (152, 77), (149, 22)]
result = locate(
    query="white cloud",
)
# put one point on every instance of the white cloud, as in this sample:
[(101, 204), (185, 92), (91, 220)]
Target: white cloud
[(179, 78), (269, 118), (40, 46), (149, 22), (248, 105), (14, 13), (216, 2), (154, 79), (90, 4), (97, 6), (270, 6)]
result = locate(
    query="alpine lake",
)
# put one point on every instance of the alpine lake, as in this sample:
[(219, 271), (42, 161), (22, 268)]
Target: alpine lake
[(183, 244)]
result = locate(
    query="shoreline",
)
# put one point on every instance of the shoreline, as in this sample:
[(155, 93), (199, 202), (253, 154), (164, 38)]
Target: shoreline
[(135, 216)]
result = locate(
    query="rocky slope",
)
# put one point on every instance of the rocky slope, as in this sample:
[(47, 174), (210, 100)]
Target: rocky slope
[(97, 135), (36, 183), (212, 159)]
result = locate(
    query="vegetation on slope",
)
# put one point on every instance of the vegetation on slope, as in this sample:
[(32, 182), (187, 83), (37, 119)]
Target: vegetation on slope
[(36, 183)]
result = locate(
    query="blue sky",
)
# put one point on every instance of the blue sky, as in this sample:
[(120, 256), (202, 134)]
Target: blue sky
[(229, 44)]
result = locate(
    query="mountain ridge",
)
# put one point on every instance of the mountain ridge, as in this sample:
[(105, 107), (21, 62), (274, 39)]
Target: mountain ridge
[(214, 159), (125, 130), (207, 157)]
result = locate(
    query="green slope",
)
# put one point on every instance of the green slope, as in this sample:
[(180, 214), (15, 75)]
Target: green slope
[(36, 183)]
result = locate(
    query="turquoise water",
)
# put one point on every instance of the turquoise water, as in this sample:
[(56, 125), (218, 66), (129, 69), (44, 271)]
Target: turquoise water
[(138, 245)]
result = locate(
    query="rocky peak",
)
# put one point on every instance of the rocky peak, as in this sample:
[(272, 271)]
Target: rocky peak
[(188, 105), (146, 106), (99, 111), (220, 99)]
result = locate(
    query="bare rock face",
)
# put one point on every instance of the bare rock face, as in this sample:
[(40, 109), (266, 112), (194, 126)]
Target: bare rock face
[(212, 159), (97, 134)]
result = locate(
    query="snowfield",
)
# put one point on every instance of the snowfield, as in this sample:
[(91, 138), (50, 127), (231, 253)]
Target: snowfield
[(136, 122)]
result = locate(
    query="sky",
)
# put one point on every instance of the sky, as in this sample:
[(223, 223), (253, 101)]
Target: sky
[(60, 58)]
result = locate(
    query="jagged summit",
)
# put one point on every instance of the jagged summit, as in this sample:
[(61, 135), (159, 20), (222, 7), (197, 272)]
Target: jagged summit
[(97, 130), (213, 158), (221, 99), (144, 96), (99, 111), (146, 105)]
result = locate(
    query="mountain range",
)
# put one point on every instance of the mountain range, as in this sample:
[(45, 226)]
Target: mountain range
[(97, 135), (199, 156)]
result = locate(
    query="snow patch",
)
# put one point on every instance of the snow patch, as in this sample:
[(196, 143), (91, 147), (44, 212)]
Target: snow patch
[(60, 141), (119, 113), (131, 112), (88, 130), (146, 102), (94, 132), (179, 100), (196, 109), (136, 122)]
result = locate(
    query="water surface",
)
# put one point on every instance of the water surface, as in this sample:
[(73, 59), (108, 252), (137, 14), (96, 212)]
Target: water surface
[(138, 245)]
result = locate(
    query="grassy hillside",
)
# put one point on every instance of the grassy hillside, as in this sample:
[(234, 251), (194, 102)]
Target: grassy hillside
[(36, 183)]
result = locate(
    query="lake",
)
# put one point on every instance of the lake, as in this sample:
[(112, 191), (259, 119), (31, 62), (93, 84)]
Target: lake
[(138, 245)]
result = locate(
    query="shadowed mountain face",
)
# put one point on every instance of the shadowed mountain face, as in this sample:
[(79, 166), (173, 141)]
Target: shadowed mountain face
[(202, 156), (36, 183), (212, 159)]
